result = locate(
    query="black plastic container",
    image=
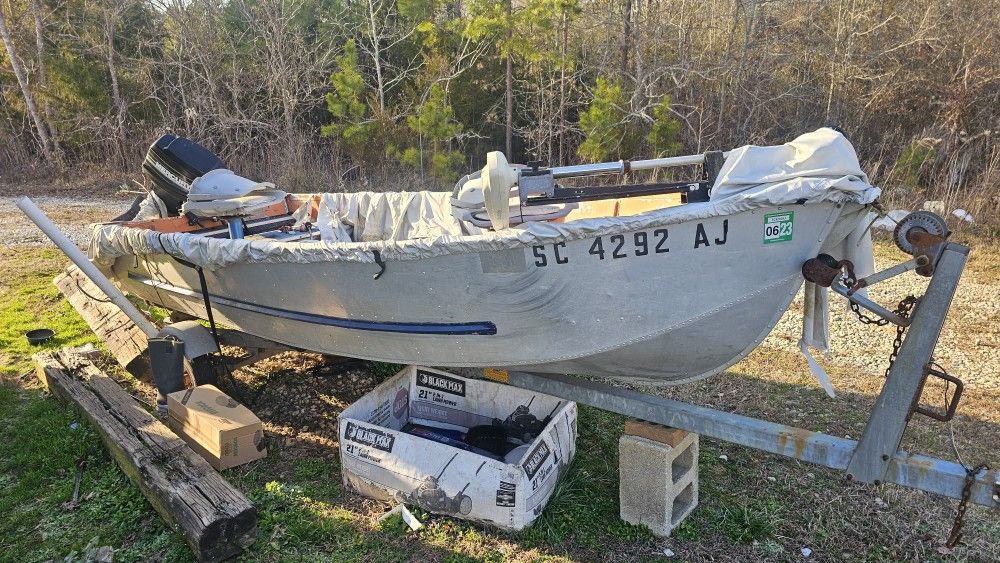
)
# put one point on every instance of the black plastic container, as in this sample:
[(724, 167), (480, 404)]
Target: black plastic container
[(172, 163), (39, 336)]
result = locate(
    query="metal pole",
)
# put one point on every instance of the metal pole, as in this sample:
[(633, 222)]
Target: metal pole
[(910, 470), (235, 225), (622, 166), (50, 229)]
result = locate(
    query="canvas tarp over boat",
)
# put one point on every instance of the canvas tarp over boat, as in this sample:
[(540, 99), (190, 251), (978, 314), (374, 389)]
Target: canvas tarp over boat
[(815, 167)]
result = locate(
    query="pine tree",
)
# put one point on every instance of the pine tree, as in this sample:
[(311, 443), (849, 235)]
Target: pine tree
[(665, 131), (347, 106), (607, 130), (435, 126)]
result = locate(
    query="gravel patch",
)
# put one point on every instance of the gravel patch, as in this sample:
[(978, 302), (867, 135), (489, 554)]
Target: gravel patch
[(73, 215)]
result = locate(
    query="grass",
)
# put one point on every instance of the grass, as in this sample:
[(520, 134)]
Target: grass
[(752, 505), (29, 300)]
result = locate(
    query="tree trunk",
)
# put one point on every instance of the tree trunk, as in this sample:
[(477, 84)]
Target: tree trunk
[(116, 95), (36, 14), (510, 82), (22, 81), (564, 32), (626, 36), (377, 56)]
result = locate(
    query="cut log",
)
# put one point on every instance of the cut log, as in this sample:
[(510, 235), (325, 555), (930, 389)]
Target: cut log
[(216, 520), (126, 341)]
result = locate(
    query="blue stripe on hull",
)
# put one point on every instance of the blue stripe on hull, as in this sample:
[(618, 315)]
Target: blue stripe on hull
[(481, 327)]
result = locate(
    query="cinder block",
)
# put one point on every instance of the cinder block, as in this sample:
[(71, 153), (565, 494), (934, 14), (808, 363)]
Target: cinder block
[(658, 484)]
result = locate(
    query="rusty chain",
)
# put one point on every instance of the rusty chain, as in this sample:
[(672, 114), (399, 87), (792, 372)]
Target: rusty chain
[(904, 309), (956, 530)]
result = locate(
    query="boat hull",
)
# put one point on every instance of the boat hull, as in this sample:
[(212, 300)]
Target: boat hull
[(671, 305)]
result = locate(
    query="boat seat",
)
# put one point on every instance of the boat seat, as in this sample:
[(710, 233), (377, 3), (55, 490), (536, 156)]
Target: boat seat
[(243, 206)]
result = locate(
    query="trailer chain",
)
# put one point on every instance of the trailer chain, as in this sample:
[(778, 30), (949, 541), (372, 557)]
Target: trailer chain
[(956, 530), (904, 309)]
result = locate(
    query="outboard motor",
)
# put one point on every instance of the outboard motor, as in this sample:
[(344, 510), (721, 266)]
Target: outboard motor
[(172, 164)]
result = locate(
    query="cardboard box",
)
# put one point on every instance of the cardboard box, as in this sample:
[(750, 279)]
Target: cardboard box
[(216, 426), (381, 461)]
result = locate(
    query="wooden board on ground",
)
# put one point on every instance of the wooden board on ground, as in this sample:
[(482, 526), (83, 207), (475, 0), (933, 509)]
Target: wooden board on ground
[(123, 338), (215, 519)]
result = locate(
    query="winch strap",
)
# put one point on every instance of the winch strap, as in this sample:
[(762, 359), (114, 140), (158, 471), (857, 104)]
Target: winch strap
[(208, 305)]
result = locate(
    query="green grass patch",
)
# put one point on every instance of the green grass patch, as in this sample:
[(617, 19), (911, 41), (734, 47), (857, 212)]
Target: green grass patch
[(583, 510), (43, 442), (29, 300)]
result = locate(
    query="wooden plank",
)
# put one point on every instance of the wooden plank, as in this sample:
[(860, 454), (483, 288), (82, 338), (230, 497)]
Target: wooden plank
[(216, 520), (126, 341)]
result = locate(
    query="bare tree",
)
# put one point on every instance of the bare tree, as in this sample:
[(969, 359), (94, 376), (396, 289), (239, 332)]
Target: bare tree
[(50, 122), (45, 143)]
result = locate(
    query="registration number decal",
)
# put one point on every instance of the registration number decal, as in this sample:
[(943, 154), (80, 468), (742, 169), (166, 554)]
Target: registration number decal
[(633, 245), (778, 227)]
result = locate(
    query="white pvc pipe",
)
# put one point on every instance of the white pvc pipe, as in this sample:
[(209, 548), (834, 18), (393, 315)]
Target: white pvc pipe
[(50, 229)]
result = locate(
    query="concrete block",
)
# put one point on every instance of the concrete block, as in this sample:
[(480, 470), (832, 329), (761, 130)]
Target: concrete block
[(658, 484)]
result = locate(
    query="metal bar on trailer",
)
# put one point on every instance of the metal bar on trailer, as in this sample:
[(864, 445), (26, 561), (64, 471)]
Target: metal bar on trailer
[(915, 471), (902, 387), (872, 306)]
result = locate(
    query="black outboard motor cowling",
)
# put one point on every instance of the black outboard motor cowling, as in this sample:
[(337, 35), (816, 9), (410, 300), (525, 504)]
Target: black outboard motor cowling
[(172, 163)]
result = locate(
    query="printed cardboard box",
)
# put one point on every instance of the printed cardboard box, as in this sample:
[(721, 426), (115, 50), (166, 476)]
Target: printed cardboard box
[(216, 426), (380, 461)]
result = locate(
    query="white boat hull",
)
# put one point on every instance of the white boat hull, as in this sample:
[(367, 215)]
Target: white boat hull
[(672, 305)]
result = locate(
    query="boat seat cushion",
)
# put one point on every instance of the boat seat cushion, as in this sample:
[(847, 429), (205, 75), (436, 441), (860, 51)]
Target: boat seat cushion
[(244, 206)]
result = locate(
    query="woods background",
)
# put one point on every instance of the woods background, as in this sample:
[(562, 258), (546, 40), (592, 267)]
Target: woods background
[(412, 93)]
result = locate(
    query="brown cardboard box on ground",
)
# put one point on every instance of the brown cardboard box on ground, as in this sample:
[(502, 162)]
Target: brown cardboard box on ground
[(216, 426)]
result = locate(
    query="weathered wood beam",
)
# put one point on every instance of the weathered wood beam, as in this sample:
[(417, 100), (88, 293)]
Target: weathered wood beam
[(216, 520), (126, 341)]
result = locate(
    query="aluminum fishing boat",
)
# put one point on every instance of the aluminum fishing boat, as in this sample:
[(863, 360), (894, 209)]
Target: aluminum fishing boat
[(666, 282)]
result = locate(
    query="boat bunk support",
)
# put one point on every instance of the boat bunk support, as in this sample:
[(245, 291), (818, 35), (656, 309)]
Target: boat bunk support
[(876, 457)]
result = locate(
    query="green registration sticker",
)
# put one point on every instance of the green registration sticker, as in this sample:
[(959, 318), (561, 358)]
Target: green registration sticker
[(778, 227)]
